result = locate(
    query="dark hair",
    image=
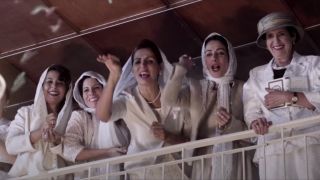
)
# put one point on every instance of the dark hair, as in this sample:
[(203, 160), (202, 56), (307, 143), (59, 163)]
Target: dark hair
[(148, 44), (80, 83), (64, 73), (217, 38), (293, 32)]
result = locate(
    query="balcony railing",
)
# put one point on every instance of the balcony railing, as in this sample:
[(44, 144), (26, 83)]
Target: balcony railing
[(184, 150)]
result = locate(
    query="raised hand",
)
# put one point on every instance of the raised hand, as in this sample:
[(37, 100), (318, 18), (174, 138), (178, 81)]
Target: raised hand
[(186, 61), (112, 63)]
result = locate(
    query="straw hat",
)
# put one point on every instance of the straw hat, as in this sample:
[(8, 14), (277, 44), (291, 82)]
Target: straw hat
[(274, 21)]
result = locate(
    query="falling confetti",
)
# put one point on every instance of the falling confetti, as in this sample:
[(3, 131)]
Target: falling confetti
[(27, 56), (18, 82), (41, 8), (55, 28), (110, 1)]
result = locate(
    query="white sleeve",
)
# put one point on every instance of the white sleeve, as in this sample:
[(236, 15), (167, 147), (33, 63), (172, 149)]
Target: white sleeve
[(174, 93), (4, 130), (119, 107), (18, 139), (313, 95), (251, 102)]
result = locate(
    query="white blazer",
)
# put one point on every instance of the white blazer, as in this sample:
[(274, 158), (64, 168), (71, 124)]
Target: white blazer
[(254, 92)]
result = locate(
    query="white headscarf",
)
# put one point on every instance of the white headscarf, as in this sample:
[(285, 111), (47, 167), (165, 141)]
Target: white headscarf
[(39, 111), (127, 78), (3, 87), (223, 100), (76, 93), (224, 81)]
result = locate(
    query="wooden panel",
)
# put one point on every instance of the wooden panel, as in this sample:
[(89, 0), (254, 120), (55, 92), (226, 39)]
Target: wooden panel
[(84, 14), (75, 54), (236, 19), (307, 11), (20, 28), (164, 29)]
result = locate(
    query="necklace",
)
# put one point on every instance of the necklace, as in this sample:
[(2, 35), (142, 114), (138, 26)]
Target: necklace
[(154, 100)]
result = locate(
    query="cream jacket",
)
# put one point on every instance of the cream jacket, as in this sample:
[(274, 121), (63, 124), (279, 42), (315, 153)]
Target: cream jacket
[(32, 159), (138, 115), (40, 156), (200, 99), (82, 132), (253, 98)]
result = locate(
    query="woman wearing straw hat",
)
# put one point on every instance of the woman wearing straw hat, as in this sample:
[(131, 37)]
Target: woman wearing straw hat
[(272, 96)]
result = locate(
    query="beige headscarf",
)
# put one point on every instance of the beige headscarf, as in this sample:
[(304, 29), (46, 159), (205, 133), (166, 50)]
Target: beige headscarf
[(77, 95), (110, 135)]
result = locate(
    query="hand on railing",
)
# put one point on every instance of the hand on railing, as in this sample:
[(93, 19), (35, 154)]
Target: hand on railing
[(116, 151), (260, 126)]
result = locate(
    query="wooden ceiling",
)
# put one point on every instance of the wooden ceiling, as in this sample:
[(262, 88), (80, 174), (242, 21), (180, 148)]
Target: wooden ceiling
[(37, 33)]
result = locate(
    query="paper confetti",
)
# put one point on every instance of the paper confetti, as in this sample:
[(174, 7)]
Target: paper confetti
[(18, 82), (55, 28), (41, 8), (27, 56)]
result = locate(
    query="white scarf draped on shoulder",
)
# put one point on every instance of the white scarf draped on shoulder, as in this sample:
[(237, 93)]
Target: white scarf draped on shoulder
[(223, 100)]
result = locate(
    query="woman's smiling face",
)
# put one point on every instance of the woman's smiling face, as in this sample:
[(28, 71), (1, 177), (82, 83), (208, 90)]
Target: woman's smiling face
[(280, 44), (54, 89), (91, 92)]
